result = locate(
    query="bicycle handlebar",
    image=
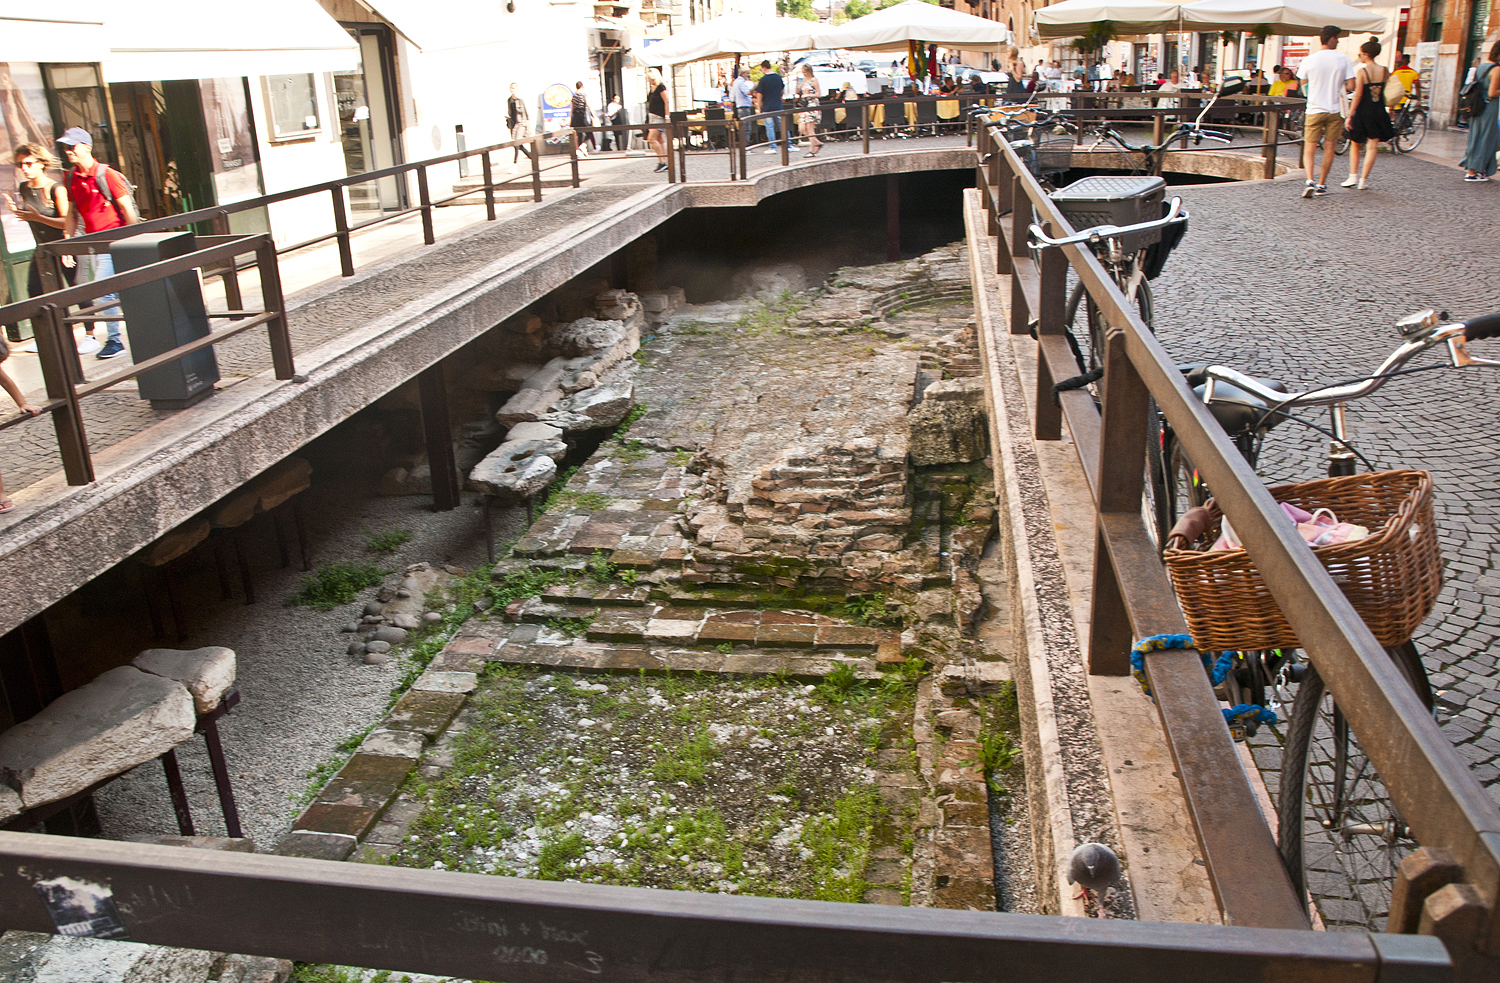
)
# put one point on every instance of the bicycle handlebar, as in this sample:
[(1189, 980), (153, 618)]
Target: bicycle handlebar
[(1484, 326), (1098, 233), (1452, 335)]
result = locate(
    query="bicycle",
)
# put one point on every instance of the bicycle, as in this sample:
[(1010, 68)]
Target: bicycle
[(1410, 123), (1327, 785)]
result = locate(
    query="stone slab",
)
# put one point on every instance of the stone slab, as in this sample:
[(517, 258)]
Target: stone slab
[(426, 713), (121, 719), (350, 820), (367, 781), (446, 682), (225, 844), (206, 672), (314, 845), (394, 743)]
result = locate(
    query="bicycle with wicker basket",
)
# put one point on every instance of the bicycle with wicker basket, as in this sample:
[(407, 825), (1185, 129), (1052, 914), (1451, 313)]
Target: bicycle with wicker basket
[(1329, 792)]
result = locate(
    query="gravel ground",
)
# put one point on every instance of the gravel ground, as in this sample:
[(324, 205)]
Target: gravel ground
[(302, 693)]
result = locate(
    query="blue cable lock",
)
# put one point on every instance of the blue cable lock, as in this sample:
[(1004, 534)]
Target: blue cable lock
[(1217, 669)]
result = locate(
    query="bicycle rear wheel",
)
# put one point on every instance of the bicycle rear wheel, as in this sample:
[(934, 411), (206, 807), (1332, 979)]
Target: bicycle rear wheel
[(1409, 137), (1341, 837)]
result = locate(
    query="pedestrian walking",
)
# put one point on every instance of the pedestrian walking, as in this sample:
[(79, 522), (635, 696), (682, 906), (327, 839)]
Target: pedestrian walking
[(656, 116), (1328, 75), (101, 200), (1369, 122), (768, 99), (43, 205), (518, 118), (1479, 157), (580, 118), (611, 138), (1411, 81), (9, 385), (807, 122)]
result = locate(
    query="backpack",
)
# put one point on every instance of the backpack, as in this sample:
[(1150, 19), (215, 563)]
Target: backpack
[(1474, 96), (1394, 91), (103, 183)]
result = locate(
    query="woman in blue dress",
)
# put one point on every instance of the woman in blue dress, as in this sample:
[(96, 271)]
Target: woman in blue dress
[(1479, 159)]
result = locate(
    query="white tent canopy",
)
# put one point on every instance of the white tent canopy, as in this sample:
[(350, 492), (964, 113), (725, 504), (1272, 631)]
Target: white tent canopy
[(151, 40), (1074, 17), (914, 20), (730, 35), (31, 32), (1286, 17)]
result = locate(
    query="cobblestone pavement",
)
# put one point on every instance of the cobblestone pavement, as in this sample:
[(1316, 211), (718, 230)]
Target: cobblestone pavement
[(1307, 291)]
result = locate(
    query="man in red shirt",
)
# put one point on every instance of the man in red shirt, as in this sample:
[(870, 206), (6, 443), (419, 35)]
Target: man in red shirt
[(96, 213)]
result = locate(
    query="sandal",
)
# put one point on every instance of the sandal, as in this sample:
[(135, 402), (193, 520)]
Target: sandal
[(7, 505)]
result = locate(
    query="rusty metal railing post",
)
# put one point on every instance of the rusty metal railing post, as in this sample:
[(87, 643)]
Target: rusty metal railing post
[(341, 225), (744, 138), (424, 198), (489, 185), (786, 138), (1020, 222), (1125, 402), (1269, 138), (537, 143), (271, 300), (1052, 302), (1156, 128), (54, 341), (573, 156), (669, 132), (864, 127), (682, 149), (229, 276)]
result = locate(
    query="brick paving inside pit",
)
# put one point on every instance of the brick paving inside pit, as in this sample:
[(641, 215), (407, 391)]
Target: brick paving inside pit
[(1308, 291)]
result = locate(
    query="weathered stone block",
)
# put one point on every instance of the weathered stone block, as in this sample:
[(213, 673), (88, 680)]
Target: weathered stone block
[(446, 682), (316, 845), (123, 718), (206, 672)]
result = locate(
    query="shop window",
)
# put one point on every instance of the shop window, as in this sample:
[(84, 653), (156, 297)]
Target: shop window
[(292, 105)]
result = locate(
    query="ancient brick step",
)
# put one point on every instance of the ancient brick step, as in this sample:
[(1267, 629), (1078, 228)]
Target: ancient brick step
[(706, 627), (553, 651), (537, 611), (598, 595)]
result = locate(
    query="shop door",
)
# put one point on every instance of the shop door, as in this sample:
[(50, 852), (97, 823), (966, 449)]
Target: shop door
[(367, 121)]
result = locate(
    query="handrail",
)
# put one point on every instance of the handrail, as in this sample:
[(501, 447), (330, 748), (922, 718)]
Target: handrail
[(1444, 805), (485, 927), (59, 363)]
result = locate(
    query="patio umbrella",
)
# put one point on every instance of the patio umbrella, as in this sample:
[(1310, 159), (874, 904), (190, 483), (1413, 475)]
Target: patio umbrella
[(1285, 17), (729, 36), (1127, 17), (893, 28)]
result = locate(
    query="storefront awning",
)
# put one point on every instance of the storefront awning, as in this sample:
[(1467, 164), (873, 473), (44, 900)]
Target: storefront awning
[(152, 40), (42, 34), (438, 25)]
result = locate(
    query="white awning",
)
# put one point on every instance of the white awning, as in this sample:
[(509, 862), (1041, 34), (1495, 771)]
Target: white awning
[(151, 40), (37, 32), (1126, 17), (892, 28), (438, 25), (730, 35)]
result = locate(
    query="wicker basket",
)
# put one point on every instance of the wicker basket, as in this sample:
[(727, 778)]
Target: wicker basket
[(1392, 577)]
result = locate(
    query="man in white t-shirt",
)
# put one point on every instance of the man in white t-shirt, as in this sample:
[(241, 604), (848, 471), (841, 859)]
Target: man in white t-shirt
[(1327, 76)]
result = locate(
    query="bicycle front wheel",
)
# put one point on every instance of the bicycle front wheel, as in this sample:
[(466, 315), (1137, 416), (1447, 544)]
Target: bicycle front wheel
[(1409, 137), (1341, 837), (1342, 147)]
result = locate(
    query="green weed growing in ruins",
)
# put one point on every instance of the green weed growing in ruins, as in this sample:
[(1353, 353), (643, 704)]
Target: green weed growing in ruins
[(337, 583), (388, 541), (599, 569), (576, 627)]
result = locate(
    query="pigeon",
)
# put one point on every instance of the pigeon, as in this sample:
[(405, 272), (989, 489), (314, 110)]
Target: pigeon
[(1093, 866)]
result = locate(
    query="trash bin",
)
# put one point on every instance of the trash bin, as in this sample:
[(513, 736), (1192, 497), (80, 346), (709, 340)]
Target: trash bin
[(163, 314)]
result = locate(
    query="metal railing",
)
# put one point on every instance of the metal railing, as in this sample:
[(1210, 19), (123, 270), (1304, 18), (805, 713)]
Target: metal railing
[(476, 926), (53, 327), (1447, 809)]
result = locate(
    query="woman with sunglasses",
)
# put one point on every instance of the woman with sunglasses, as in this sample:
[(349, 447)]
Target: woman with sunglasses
[(44, 206)]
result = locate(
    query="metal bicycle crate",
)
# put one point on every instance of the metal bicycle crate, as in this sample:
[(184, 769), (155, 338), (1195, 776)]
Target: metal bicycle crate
[(1105, 199)]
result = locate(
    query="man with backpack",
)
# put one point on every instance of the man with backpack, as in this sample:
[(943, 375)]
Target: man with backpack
[(102, 200)]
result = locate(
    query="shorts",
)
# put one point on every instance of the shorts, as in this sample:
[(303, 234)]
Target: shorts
[(1327, 127), (656, 120)]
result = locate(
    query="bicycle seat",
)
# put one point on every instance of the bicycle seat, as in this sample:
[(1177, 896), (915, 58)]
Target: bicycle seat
[(1236, 410)]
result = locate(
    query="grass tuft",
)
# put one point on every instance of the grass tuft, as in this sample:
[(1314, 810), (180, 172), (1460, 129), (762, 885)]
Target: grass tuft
[(337, 583)]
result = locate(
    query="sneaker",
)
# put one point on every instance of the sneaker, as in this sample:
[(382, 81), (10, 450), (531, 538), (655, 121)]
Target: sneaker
[(1349, 182), (660, 168), (1363, 185), (112, 350), (88, 345), (1310, 190), (773, 150), (1476, 178), (1320, 190)]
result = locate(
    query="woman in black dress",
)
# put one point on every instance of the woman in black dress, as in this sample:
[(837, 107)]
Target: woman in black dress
[(1369, 123), (580, 117)]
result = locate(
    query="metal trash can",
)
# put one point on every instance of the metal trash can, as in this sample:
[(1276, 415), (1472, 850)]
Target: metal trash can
[(163, 314)]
